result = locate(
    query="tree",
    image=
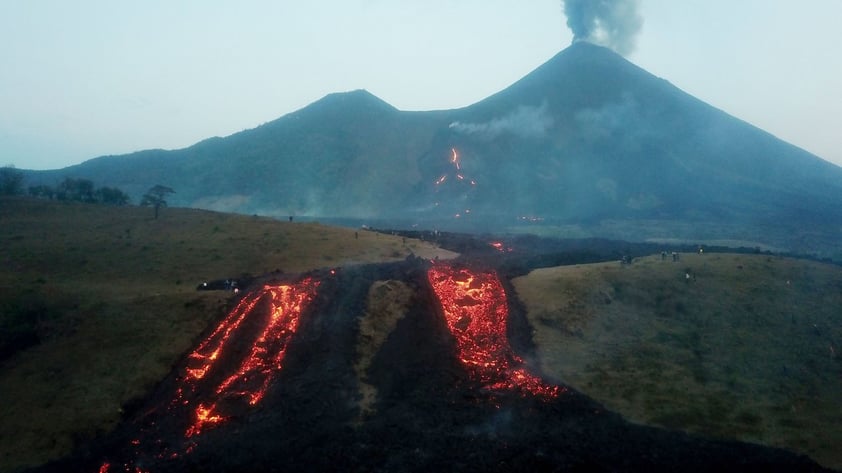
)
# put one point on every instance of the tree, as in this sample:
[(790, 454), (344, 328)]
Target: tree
[(42, 191), (11, 181), (76, 190), (111, 196), (155, 197)]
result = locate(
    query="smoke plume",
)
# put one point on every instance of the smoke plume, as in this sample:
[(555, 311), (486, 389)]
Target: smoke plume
[(610, 23), (526, 122)]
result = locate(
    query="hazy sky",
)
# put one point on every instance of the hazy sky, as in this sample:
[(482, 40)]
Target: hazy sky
[(88, 78)]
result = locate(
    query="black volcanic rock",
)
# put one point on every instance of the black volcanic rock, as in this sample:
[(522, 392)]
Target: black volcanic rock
[(587, 137)]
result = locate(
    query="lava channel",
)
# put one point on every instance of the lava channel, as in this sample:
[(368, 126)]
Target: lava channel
[(475, 307), (217, 383), (265, 360)]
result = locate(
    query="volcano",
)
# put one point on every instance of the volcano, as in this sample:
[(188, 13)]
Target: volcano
[(411, 366), (587, 139)]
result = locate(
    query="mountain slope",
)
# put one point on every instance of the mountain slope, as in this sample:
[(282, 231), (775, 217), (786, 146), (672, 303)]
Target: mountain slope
[(639, 146), (587, 137)]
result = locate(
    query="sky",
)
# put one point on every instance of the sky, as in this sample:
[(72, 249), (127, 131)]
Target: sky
[(90, 78)]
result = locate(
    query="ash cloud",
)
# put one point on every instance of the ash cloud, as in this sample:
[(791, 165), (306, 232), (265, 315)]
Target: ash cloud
[(610, 23), (526, 122)]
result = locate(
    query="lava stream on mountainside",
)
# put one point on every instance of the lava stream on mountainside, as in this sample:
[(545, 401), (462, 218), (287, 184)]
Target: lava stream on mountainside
[(475, 307)]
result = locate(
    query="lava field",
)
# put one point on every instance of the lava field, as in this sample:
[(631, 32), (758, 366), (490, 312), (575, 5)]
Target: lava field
[(276, 385)]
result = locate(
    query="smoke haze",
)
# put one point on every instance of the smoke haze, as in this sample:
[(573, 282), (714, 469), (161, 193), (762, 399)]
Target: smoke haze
[(610, 23), (526, 122)]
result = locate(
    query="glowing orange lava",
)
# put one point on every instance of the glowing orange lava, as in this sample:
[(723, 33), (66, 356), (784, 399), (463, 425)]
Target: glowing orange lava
[(219, 380), (204, 356), (257, 370), (498, 245), (474, 304), (454, 158), (106, 468)]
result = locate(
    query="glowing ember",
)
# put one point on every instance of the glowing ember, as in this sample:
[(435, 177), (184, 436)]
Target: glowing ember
[(106, 468), (257, 370), (474, 304), (204, 416), (498, 245)]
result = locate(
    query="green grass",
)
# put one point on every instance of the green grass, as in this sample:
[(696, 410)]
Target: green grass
[(110, 295), (748, 348)]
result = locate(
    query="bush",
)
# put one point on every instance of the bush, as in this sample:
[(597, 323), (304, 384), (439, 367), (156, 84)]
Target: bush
[(11, 181)]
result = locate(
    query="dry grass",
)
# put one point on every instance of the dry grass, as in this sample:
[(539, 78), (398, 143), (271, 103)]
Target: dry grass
[(110, 293), (388, 302), (748, 348)]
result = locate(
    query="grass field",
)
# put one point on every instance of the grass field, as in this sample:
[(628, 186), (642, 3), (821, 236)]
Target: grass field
[(746, 348), (97, 304)]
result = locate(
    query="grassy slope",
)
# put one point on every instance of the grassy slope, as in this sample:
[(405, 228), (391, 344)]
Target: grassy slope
[(736, 352), (110, 293)]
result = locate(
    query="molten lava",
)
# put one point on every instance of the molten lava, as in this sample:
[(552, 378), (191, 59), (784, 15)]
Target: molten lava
[(218, 381), (475, 307), (454, 158), (256, 371), (204, 356), (222, 379)]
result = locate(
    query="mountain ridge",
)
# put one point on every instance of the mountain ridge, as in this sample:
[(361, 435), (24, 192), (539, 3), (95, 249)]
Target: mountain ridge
[(586, 137)]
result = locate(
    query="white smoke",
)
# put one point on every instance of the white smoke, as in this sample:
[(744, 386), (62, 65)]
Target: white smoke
[(526, 122), (596, 124)]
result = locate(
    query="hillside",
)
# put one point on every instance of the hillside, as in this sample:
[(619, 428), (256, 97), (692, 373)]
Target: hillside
[(587, 139), (97, 304), (747, 348)]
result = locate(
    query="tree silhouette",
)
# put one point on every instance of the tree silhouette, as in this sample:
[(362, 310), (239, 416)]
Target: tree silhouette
[(111, 196), (155, 197), (42, 191), (76, 190), (11, 180)]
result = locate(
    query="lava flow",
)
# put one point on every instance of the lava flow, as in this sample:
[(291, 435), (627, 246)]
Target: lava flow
[(256, 371), (217, 382), (455, 160), (474, 304)]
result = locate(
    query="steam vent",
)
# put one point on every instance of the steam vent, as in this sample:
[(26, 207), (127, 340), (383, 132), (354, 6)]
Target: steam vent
[(411, 366)]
